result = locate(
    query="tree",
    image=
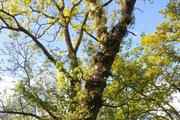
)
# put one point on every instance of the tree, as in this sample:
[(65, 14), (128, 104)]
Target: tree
[(96, 81)]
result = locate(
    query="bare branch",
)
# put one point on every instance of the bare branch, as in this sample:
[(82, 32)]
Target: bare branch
[(60, 8), (68, 41), (134, 34), (39, 44), (22, 113), (81, 32), (107, 3), (92, 36), (22, 29), (74, 6), (113, 106), (43, 13)]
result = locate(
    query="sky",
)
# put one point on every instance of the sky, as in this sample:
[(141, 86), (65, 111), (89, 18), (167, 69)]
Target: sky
[(147, 18)]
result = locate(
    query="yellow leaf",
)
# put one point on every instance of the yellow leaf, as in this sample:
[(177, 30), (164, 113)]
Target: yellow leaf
[(27, 2), (66, 12)]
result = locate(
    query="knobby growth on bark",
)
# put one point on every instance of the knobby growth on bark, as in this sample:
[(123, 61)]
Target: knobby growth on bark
[(104, 59)]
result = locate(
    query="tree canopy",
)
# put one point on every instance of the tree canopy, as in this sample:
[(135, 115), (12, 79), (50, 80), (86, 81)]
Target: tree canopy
[(71, 64)]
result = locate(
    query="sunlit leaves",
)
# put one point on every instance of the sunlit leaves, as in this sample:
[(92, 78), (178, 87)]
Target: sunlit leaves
[(152, 71), (27, 2), (13, 6), (172, 11), (61, 81), (158, 60), (66, 12), (154, 40), (142, 81)]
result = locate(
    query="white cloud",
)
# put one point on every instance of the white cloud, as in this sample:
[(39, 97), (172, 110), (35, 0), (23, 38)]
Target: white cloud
[(6, 85), (176, 101)]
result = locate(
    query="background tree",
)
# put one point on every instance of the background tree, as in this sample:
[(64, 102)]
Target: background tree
[(90, 78)]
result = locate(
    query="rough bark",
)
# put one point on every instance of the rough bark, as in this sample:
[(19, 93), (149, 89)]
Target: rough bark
[(104, 60)]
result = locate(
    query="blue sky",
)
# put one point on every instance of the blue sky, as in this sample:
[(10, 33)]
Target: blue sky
[(149, 18)]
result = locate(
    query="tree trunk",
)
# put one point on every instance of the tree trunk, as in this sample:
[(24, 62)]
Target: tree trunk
[(104, 60)]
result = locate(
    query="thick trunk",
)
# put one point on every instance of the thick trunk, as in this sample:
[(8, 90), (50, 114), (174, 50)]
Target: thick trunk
[(104, 60)]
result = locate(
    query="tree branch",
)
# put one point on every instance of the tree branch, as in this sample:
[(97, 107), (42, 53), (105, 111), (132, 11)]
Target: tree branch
[(21, 113), (113, 106), (75, 5), (68, 41), (22, 29), (39, 44), (107, 3), (43, 13), (60, 8), (92, 36), (81, 32)]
